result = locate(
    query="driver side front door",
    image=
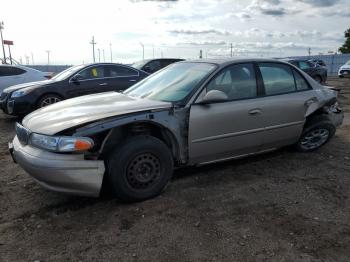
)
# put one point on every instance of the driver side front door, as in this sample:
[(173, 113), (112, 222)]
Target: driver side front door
[(229, 129)]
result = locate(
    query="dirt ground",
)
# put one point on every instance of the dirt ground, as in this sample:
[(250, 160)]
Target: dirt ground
[(281, 206)]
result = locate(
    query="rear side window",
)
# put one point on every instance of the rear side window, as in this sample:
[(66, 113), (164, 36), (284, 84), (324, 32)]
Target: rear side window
[(236, 81), (300, 82), (153, 66), (10, 71), (277, 78), (304, 65), (115, 71)]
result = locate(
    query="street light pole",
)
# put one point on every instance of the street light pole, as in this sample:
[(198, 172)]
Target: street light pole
[(103, 53), (48, 57), (2, 40), (93, 47), (110, 49), (99, 55), (143, 51)]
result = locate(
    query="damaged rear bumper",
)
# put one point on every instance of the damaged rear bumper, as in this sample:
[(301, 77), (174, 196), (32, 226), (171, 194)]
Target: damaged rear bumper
[(64, 173)]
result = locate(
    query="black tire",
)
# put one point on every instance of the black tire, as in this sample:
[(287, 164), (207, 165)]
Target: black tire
[(139, 169), (44, 98), (321, 129), (318, 79)]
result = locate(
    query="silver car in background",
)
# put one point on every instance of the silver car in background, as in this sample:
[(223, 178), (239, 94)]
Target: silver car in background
[(190, 113)]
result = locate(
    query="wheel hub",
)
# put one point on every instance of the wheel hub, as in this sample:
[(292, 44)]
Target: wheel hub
[(143, 171), (314, 139)]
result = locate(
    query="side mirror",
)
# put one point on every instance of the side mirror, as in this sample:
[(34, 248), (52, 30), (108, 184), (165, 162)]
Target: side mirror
[(214, 96), (77, 78)]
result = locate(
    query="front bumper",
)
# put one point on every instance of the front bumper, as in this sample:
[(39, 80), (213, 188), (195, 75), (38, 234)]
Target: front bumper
[(344, 72), (336, 117), (65, 173)]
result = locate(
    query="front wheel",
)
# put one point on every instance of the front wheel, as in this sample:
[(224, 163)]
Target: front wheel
[(48, 100), (315, 135), (139, 168)]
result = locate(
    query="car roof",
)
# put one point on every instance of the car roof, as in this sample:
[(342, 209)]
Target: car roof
[(227, 61)]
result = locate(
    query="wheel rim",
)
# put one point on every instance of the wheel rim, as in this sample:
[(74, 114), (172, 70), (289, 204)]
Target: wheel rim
[(143, 171), (49, 101), (314, 139)]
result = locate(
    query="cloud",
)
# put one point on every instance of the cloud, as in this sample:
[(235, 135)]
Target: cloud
[(269, 7), (320, 3), (344, 12), (205, 43), (198, 32)]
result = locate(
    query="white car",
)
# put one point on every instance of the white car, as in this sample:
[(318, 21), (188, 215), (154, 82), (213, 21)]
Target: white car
[(344, 70), (16, 74)]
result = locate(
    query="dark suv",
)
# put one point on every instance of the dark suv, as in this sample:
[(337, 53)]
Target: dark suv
[(153, 65), (316, 71)]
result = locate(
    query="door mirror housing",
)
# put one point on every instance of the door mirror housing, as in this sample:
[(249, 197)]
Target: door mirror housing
[(214, 96), (77, 78)]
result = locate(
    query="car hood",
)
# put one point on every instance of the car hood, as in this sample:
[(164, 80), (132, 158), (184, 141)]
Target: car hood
[(345, 67), (77, 111), (26, 85)]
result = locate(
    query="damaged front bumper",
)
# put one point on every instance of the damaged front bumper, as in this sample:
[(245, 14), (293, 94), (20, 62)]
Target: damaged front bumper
[(335, 115), (64, 173)]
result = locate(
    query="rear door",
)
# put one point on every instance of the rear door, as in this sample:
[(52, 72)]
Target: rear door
[(232, 128), (287, 97), (120, 77)]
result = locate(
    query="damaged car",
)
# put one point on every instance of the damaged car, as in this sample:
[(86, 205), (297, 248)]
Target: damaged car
[(190, 113)]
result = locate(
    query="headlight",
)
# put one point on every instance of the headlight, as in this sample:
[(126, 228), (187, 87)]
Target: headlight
[(61, 143), (20, 93)]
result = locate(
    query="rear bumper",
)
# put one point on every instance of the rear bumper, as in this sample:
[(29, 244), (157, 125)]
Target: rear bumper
[(64, 173)]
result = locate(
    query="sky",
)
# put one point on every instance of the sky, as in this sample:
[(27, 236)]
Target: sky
[(172, 28)]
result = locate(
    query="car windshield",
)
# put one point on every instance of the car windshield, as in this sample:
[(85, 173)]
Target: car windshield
[(68, 72), (172, 84), (139, 64)]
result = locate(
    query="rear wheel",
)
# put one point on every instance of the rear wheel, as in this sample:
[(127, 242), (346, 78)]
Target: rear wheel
[(49, 100), (139, 169), (315, 135)]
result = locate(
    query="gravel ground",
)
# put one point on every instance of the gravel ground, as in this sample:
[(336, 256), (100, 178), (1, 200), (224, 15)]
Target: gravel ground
[(281, 206)]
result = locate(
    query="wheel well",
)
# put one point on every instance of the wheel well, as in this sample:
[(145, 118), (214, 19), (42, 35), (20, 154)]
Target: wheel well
[(319, 113), (117, 136)]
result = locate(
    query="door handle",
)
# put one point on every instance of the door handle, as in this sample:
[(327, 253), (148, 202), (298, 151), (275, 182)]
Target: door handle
[(132, 80), (103, 84), (255, 111)]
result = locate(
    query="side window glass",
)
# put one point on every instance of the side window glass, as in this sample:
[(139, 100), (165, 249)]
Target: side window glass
[(115, 71), (153, 66), (277, 78), (237, 82), (92, 72), (303, 65), (300, 81), (11, 71)]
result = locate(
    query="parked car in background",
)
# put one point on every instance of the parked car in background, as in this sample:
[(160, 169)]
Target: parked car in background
[(16, 74), (153, 65), (344, 70), (75, 81), (317, 72), (190, 113), (318, 61)]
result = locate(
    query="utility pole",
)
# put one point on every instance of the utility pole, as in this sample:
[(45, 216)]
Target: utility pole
[(143, 51), (93, 48), (200, 54), (309, 51), (99, 55), (2, 40), (153, 50), (103, 53), (32, 58), (231, 50), (48, 57), (110, 49)]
